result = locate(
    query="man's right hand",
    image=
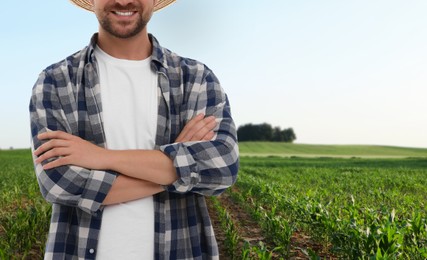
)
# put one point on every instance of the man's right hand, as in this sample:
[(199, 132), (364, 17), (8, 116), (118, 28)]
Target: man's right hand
[(199, 128)]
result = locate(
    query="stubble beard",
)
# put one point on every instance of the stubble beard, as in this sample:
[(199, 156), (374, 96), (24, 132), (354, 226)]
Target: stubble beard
[(124, 30)]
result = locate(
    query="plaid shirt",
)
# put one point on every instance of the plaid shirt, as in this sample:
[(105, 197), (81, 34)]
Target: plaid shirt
[(67, 97)]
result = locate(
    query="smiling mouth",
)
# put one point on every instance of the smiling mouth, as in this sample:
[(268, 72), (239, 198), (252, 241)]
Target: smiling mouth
[(129, 13)]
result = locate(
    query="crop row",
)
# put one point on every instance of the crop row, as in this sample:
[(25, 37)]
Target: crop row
[(237, 247), (354, 212)]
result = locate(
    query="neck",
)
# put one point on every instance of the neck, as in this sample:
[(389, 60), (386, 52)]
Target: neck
[(137, 47)]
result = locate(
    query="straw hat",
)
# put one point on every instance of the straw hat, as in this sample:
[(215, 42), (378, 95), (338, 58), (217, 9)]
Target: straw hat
[(85, 4)]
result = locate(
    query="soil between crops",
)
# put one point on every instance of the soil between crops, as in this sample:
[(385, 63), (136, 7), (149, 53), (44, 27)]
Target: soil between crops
[(250, 231)]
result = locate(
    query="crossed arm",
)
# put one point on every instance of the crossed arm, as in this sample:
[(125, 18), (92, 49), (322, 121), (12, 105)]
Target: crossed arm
[(141, 172)]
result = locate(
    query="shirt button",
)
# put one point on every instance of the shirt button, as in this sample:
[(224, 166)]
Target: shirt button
[(91, 250)]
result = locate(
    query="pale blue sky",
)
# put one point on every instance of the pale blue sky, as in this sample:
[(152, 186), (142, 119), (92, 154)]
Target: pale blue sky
[(338, 72)]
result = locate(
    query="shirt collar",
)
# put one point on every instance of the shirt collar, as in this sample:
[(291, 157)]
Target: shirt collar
[(157, 54)]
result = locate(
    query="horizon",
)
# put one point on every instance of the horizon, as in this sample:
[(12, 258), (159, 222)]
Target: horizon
[(287, 143), (338, 73)]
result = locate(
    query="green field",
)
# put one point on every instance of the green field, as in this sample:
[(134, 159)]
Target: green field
[(350, 208), (308, 150), (24, 215), (347, 202)]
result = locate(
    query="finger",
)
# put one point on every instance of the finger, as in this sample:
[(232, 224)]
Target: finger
[(53, 153), (200, 133), (209, 136), (54, 135), (187, 135), (196, 128), (194, 133), (211, 122), (194, 121), (50, 145), (56, 163), (209, 119), (183, 136), (204, 127)]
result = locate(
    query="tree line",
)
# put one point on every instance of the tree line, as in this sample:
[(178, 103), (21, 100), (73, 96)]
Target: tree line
[(265, 132)]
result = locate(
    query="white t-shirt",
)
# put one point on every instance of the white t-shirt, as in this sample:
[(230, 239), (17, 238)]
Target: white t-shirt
[(129, 111)]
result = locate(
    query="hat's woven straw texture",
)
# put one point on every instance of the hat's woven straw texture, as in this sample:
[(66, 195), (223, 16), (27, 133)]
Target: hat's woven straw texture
[(85, 4)]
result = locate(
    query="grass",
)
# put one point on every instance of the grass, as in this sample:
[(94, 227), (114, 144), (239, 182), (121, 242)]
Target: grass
[(349, 208), (309, 150), (24, 215)]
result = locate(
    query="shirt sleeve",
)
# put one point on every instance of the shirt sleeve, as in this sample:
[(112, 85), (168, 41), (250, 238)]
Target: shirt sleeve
[(206, 167), (67, 185)]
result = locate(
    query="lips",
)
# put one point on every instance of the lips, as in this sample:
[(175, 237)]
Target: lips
[(123, 13)]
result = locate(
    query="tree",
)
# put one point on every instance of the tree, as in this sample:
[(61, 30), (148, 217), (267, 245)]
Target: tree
[(277, 135), (289, 135), (250, 132), (265, 132), (245, 132)]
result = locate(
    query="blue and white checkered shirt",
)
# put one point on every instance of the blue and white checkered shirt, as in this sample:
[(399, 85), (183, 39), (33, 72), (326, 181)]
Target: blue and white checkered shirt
[(66, 97)]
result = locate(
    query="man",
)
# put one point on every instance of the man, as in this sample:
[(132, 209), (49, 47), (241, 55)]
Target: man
[(128, 138)]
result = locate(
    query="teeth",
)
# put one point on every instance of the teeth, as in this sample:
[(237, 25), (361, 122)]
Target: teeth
[(123, 13)]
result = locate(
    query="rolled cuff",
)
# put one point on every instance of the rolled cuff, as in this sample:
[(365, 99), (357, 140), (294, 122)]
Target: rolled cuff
[(185, 165), (96, 189)]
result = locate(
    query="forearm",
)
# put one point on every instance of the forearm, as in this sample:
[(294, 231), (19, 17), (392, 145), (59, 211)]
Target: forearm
[(127, 189), (149, 165), (154, 166)]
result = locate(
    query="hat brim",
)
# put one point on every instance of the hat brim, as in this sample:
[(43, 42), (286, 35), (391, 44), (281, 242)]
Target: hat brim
[(85, 4)]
